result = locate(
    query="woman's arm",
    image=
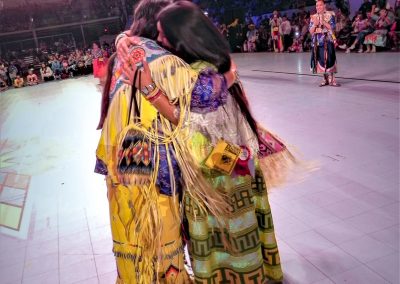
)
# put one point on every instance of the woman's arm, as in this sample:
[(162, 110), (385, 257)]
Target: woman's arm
[(158, 100), (209, 91)]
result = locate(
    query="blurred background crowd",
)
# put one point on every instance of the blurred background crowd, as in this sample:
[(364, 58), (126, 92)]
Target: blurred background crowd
[(51, 39)]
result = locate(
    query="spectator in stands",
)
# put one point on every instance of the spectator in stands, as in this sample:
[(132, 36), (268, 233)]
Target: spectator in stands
[(296, 46), (379, 36), (55, 67), (32, 78), (378, 5), (80, 67), (46, 73), (305, 36), (262, 43), (234, 31), (368, 25), (19, 82), (3, 85), (365, 8), (72, 64), (88, 62), (286, 29), (65, 68), (224, 30), (4, 75), (341, 21), (349, 33), (395, 28)]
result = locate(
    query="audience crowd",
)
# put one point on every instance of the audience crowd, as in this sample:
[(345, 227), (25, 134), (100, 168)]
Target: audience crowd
[(31, 67), (366, 31), (373, 26), (47, 14)]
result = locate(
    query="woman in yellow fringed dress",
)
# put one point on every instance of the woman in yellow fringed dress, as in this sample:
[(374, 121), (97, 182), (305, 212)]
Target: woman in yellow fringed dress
[(145, 179), (251, 253)]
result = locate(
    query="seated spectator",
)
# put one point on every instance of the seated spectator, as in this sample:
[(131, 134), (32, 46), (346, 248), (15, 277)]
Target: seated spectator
[(46, 73), (365, 8), (65, 70), (31, 79), (251, 38), (367, 28), (349, 34), (55, 67), (88, 62), (296, 46), (13, 71), (341, 21), (305, 36), (345, 37), (19, 82), (3, 85), (4, 72), (72, 65), (80, 67), (379, 36), (395, 28)]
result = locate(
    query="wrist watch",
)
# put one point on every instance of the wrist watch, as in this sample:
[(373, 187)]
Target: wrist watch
[(146, 90)]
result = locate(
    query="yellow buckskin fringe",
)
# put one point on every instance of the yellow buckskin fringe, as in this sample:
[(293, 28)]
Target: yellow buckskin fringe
[(195, 185)]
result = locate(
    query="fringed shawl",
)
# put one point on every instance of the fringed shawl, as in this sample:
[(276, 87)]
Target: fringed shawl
[(176, 79)]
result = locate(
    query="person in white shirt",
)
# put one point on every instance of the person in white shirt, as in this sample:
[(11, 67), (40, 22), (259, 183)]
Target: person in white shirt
[(46, 73), (286, 29)]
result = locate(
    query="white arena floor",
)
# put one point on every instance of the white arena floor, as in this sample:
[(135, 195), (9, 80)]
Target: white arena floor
[(341, 225)]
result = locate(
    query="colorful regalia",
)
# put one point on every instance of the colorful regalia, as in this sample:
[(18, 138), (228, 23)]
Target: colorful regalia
[(145, 213), (276, 33), (227, 218), (253, 255), (323, 55), (379, 36), (99, 63)]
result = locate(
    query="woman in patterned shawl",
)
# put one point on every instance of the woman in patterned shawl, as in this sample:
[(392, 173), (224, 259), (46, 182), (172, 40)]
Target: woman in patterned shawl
[(323, 55), (221, 116)]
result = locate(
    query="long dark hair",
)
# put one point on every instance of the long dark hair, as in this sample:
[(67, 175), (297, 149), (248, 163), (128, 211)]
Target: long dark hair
[(144, 25), (194, 37)]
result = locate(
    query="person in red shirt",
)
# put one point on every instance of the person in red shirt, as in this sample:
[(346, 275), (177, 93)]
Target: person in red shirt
[(32, 78)]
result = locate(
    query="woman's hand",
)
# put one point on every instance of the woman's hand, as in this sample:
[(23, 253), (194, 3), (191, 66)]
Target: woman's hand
[(123, 47), (129, 71), (162, 103)]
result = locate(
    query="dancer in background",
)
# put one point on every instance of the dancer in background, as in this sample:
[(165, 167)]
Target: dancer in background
[(323, 55), (276, 32), (99, 62)]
